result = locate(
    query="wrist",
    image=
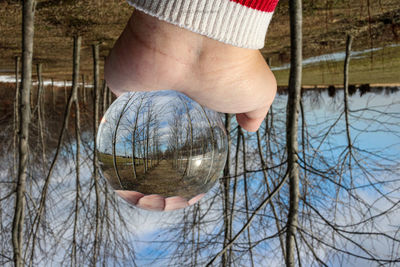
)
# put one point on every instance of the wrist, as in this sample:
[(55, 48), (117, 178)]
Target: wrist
[(184, 51), (235, 22)]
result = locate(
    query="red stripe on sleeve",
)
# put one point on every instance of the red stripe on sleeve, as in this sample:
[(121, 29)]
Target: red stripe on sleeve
[(258, 5), (261, 5)]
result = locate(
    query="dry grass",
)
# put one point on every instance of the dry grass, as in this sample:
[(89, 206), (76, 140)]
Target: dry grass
[(381, 67), (56, 22), (326, 23)]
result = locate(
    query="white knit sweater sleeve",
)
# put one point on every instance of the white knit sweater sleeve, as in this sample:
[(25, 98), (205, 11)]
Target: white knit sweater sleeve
[(241, 23)]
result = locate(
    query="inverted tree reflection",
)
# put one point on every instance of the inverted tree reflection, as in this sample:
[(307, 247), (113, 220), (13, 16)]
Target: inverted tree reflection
[(161, 143), (342, 216)]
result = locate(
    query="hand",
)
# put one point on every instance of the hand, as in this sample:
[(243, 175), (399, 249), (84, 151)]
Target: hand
[(155, 55)]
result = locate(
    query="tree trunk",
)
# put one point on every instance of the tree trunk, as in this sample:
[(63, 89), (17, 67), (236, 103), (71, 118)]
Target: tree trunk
[(109, 96), (226, 186), (83, 89), (134, 141), (293, 105), (42, 204), (77, 159), (65, 92), (190, 124), (146, 142), (246, 198), (96, 92), (39, 107), (272, 205), (16, 114), (346, 89), (125, 108), (39, 87), (104, 108), (212, 142), (28, 17), (234, 190), (53, 94)]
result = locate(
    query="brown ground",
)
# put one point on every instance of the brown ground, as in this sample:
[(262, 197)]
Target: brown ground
[(161, 179), (325, 25)]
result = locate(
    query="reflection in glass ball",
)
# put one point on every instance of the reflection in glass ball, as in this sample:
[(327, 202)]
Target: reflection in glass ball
[(161, 150)]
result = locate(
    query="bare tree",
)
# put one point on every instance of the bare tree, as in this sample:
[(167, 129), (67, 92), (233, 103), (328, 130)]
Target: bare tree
[(53, 93), (104, 91), (245, 191), (65, 92), (346, 92), (293, 105), (125, 108), (109, 97), (133, 139), (96, 90), (28, 17), (149, 118), (40, 112), (226, 184), (42, 205), (75, 81), (271, 203), (16, 113), (84, 88), (340, 204)]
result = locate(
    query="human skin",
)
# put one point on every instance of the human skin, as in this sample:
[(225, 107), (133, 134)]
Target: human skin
[(157, 202), (153, 55)]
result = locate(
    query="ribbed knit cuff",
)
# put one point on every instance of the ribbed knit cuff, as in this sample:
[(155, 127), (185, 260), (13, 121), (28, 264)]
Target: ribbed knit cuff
[(234, 22)]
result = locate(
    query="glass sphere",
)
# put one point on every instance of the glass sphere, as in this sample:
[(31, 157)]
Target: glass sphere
[(161, 150)]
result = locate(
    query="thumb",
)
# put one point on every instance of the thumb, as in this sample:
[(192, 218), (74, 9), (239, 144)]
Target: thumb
[(251, 121)]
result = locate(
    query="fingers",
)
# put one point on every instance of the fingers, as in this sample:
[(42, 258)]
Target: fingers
[(131, 197), (175, 203), (251, 121), (196, 199), (157, 202)]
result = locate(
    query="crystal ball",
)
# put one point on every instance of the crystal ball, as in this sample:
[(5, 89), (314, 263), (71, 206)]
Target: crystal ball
[(161, 150)]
